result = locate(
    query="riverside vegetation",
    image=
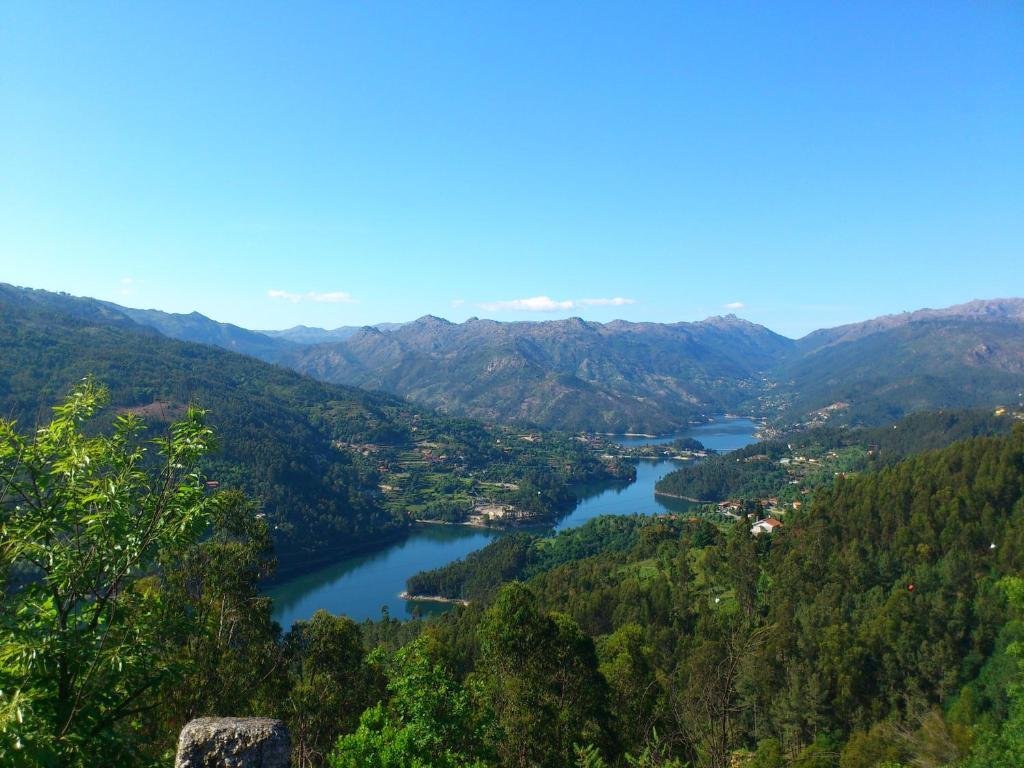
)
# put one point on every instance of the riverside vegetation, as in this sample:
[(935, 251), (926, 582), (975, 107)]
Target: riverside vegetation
[(788, 467), (882, 625)]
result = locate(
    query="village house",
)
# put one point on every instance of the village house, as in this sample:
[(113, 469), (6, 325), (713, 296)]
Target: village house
[(768, 525)]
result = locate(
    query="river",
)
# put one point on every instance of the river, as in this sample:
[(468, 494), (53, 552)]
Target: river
[(360, 586)]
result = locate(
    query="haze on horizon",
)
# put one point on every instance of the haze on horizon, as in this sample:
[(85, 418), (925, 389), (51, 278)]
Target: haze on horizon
[(802, 165)]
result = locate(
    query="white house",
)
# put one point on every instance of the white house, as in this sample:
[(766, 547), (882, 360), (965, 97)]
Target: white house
[(767, 525)]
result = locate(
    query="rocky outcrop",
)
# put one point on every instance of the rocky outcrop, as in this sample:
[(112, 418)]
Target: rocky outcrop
[(234, 742)]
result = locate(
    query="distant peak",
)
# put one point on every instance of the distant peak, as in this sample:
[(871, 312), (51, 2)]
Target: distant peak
[(729, 319), (432, 320)]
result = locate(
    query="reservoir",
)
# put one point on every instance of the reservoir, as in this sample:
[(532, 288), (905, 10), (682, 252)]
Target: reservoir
[(361, 586)]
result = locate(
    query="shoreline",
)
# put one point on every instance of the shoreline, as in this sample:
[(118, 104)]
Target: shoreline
[(684, 498), (327, 558), (758, 420), (481, 526), (433, 599)]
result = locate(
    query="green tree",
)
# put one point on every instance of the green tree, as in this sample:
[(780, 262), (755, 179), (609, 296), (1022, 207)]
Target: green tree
[(627, 665), (331, 684), (1003, 746), (768, 755), (84, 642), (538, 674), (428, 721), (230, 656)]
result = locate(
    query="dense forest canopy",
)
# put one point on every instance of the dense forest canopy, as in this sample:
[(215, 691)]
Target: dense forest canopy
[(875, 622)]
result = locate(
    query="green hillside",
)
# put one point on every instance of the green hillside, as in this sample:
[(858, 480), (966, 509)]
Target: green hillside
[(883, 373), (787, 467), (311, 453), (873, 629), (640, 377)]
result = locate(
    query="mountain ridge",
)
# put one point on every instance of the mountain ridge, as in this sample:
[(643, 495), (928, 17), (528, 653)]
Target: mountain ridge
[(636, 376), (1009, 309)]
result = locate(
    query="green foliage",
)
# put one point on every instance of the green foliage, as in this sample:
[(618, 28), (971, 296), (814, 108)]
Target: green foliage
[(756, 472), (520, 556), (588, 756), (627, 665), (721, 477), (768, 755), (809, 642), (276, 427), (868, 749), (83, 520), (427, 722), (230, 657), (331, 684), (1001, 745), (538, 677), (821, 753)]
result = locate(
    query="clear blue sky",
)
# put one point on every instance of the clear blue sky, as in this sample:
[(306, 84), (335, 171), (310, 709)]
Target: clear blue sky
[(815, 162)]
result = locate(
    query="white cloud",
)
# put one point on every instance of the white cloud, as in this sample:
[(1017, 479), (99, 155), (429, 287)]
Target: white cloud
[(547, 304), (534, 304), (294, 298), (456, 303), (331, 297), (618, 301), (735, 305), (128, 285)]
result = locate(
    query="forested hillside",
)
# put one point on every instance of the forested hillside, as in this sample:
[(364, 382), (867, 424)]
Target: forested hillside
[(274, 427), (880, 625), (311, 453), (874, 626), (877, 375), (788, 466)]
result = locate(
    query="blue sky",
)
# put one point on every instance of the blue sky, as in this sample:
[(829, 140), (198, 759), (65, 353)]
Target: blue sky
[(802, 164)]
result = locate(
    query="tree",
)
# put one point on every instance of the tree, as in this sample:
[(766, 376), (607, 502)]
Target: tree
[(331, 684), (230, 655), (83, 640), (627, 665), (703, 695), (1003, 746), (538, 674), (428, 721)]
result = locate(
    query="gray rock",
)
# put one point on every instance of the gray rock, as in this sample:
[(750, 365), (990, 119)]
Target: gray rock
[(234, 742)]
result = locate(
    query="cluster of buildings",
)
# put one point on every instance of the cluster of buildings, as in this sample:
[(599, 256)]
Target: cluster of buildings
[(770, 506), (486, 513)]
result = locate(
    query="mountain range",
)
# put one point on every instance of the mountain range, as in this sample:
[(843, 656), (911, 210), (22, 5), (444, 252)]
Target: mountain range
[(645, 377)]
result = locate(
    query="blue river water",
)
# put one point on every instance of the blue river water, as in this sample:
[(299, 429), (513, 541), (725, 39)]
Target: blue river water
[(362, 586)]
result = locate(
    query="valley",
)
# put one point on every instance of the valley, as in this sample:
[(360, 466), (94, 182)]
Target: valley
[(362, 585), (512, 385), (600, 506)]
